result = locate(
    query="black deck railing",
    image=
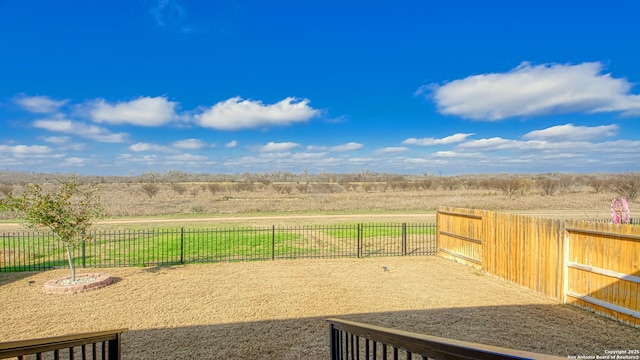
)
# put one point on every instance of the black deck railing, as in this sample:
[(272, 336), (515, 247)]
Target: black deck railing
[(28, 251), (352, 340), (104, 345)]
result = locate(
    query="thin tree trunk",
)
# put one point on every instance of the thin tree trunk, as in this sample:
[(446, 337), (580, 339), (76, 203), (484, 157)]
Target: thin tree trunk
[(73, 269)]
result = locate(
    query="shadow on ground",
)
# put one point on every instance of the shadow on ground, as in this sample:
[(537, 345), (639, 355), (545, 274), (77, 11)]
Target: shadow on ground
[(552, 329)]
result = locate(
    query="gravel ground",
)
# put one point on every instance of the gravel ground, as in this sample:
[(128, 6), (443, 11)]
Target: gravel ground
[(277, 309)]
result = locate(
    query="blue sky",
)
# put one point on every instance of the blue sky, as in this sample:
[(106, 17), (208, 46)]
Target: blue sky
[(233, 86)]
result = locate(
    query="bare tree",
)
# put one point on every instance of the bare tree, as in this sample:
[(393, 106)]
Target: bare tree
[(178, 188), (6, 189), (150, 189), (549, 185), (510, 186), (214, 188), (627, 185)]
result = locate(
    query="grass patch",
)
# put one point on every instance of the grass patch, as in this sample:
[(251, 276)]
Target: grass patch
[(37, 251)]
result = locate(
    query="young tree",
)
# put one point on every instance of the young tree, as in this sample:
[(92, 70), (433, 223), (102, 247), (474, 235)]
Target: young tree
[(68, 213)]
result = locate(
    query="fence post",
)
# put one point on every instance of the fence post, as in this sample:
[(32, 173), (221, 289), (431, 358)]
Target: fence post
[(83, 242), (359, 240), (404, 239), (273, 242), (84, 257), (333, 352), (182, 245)]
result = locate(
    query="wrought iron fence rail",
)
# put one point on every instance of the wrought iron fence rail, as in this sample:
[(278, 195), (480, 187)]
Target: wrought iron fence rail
[(27, 251)]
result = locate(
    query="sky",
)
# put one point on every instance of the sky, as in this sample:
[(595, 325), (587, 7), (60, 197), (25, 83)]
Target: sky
[(124, 87)]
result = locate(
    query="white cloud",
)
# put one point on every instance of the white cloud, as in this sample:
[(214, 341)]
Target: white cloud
[(231, 144), (75, 161), (455, 138), (338, 148), (456, 155), (88, 131), (187, 157), (141, 146), (167, 12), (39, 104), (236, 113), (498, 143), (25, 150), (390, 150), (143, 111), (346, 147), (531, 90), (569, 132), (278, 147), (308, 156), (189, 144), (57, 139)]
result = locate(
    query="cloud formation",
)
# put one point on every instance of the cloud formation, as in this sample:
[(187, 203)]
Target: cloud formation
[(391, 150), (189, 144), (278, 147), (143, 111), (455, 138), (530, 90), (569, 132), (350, 146), (39, 104), (24, 150), (237, 113), (77, 128), (142, 146)]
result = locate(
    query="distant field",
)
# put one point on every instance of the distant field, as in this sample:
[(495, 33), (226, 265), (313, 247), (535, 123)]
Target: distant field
[(161, 200)]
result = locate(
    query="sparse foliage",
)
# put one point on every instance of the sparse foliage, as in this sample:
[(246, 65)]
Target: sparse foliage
[(627, 186), (549, 185), (510, 186), (150, 189), (68, 213), (214, 188), (598, 184), (449, 183), (178, 188), (245, 186), (6, 189), (282, 188)]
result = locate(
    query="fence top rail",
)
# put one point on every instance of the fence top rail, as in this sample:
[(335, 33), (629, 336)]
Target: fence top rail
[(24, 347), (433, 346), (603, 233), (471, 216)]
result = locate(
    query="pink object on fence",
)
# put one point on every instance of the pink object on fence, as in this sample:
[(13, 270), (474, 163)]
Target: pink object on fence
[(620, 213)]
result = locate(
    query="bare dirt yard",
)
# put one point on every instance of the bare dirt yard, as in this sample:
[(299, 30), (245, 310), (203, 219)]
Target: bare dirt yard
[(277, 309)]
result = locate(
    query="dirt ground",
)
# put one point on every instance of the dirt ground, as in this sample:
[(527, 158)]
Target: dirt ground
[(277, 309)]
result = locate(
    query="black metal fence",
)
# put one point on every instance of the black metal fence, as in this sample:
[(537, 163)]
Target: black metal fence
[(27, 251)]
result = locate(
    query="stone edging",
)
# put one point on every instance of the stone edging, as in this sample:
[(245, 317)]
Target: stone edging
[(55, 286)]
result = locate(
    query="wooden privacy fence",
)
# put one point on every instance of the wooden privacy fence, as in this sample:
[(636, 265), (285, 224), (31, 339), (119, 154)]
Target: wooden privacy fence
[(592, 265)]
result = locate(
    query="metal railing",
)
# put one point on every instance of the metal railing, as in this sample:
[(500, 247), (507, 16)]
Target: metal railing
[(352, 340), (94, 345), (28, 251)]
